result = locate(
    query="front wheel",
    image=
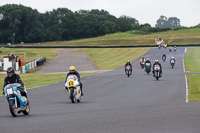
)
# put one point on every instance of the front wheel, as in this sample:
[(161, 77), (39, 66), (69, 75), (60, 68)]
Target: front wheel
[(72, 95), (27, 110), (12, 108)]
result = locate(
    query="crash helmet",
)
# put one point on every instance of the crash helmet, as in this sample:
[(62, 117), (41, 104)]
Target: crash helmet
[(10, 71), (172, 57), (128, 61), (147, 58), (156, 61), (72, 68)]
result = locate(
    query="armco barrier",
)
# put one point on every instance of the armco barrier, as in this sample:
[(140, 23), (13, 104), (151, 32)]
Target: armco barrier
[(178, 45)]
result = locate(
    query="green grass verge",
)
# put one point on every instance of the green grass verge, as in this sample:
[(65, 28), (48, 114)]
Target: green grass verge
[(112, 58), (35, 79), (28, 54), (182, 36), (192, 63), (192, 59), (194, 87)]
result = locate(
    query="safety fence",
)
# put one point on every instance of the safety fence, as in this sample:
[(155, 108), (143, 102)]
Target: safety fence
[(39, 62)]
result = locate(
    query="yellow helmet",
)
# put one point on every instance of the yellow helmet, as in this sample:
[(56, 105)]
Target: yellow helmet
[(72, 68)]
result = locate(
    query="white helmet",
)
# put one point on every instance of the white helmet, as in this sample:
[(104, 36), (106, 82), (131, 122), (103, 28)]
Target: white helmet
[(128, 60), (172, 57), (156, 60)]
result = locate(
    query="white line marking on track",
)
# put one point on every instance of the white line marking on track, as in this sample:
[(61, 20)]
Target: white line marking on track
[(185, 50), (186, 81)]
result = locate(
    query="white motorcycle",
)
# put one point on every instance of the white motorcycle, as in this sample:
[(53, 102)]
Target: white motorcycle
[(74, 89), (157, 71)]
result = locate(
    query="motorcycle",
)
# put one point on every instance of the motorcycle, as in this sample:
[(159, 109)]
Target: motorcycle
[(17, 102), (128, 70), (157, 71), (172, 63), (174, 49), (73, 88), (142, 64), (148, 68), (164, 58), (170, 49)]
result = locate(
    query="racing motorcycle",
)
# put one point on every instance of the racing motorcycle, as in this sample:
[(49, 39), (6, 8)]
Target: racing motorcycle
[(174, 49), (73, 86), (164, 58), (157, 71), (147, 68), (172, 63), (170, 49), (128, 70), (17, 102), (142, 64)]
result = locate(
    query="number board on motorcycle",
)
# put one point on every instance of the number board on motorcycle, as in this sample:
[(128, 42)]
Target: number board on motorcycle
[(148, 64), (71, 83), (10, 91)]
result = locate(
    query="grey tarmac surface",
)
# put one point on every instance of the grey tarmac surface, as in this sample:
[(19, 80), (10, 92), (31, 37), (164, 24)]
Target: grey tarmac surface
[(113, 103), (66, 58)]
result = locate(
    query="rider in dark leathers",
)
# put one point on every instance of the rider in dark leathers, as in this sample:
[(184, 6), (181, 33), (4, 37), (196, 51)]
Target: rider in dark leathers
[(72, 71), (128, 63), (164, 57), (12, 77), (157, 63), (148, 61)]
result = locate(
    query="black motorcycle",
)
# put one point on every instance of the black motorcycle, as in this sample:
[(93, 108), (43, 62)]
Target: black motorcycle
[(128, 70)]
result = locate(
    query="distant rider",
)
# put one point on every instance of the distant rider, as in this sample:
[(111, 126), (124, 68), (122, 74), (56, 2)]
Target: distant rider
[(72, 71), (148, 61), (170, 48), (157, 63), (11, 78), (128, 63), (142, 60), (164, 57), (174, 48), (172, 58)]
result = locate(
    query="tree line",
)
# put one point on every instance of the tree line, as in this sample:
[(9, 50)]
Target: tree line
[(19, 23)]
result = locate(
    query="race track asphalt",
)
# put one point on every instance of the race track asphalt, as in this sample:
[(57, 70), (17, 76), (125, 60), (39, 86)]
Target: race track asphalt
[(113, 103)]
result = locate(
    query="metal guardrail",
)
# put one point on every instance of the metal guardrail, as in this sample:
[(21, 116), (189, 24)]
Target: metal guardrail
[(178, 45)]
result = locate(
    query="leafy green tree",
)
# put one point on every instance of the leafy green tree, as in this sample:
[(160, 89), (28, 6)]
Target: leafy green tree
[(164, 22)]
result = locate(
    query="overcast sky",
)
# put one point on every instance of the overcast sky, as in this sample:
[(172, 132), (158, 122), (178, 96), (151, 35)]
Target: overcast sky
[(145, 11)]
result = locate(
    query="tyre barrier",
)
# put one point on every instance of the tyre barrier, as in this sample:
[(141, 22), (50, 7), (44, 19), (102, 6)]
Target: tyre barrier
[(41, 61), (30, 65)]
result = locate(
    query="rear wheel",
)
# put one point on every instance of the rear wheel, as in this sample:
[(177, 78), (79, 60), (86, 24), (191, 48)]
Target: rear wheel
[(12, 108)]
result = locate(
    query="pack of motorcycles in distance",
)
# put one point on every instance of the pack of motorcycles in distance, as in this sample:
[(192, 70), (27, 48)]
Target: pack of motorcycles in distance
[(157, 68)]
